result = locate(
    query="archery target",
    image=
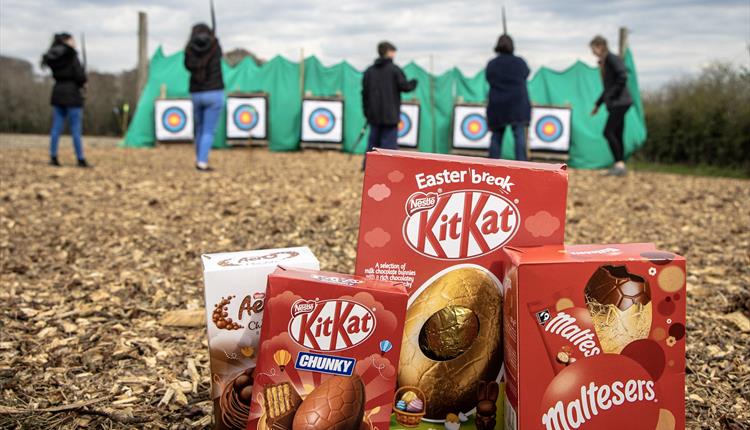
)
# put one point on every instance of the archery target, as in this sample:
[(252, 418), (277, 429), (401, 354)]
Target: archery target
[(247, 117), (322, 121), (173, 119), (550, 129), (408, 125), (470, 129)]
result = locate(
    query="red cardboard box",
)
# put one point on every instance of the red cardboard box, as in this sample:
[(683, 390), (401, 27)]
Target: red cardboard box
[(438, 223), (329, 350), (594, 337)]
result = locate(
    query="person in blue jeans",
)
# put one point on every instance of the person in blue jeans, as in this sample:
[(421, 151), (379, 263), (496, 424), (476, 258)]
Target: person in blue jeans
[(67, 94), (203, 61), (509, 103), (382, 85)]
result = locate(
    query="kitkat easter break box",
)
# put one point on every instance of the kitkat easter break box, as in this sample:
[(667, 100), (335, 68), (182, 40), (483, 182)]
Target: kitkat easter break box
[(594, 338), (329, 351), (439, 223)]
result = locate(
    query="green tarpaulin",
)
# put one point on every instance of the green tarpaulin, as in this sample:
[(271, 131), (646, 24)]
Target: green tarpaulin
[(578, 86)]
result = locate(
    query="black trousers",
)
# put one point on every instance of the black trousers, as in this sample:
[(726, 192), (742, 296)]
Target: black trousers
[(614, 130)]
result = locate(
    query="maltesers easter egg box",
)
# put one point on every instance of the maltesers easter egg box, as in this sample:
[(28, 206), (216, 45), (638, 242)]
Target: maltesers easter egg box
[(330, 346), (235, 289), (439, 223), (594, 337)]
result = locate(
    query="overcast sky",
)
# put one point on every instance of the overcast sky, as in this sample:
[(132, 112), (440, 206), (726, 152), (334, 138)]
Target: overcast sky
[(669, 38)]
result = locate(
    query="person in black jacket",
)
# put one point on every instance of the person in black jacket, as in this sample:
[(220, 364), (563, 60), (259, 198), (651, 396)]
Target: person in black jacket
[(382, 85), (509, 103), (67, 94), (203, 60), (617, 99)]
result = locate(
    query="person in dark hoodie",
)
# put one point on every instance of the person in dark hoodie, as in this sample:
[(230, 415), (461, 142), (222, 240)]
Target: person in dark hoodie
[(616, 97), (67, 94), (382, 85), (509, 103), (203, 60)]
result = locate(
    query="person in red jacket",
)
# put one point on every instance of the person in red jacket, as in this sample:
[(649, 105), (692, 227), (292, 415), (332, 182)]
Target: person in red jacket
[(617, 99)]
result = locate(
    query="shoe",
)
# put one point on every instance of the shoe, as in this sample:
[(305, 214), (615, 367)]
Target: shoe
[(204, 169), (53, 162), (82, 163), (616, 171)]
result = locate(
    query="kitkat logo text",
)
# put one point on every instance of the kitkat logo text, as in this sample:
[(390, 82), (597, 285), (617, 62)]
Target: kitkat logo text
[(330, 325), (459, 224)]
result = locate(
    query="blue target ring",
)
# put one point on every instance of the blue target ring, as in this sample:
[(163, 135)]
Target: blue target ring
[(322, 120), (549, 128), (245, 117), (404, 125), (174, 119), (474, 126)]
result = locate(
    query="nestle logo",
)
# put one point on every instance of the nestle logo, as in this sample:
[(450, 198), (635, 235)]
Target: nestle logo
[(302, 307), (420, 201)]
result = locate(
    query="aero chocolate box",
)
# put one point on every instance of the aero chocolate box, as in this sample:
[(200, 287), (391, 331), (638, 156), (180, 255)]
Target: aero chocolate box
[(329, 351), (235, 285), (438, 223), (594, 338)]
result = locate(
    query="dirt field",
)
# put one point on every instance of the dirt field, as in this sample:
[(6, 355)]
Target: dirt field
[(90, 261)]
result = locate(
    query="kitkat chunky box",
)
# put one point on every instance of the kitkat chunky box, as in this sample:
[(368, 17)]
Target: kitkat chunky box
[(329, 350), (594, 338), (438, 223), (235, 288)]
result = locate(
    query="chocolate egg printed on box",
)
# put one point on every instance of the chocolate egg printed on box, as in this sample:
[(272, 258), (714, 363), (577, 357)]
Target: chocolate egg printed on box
[(470, 129), (549, 129), (173, 119), (322, 121), (247, 117), (408, 125)]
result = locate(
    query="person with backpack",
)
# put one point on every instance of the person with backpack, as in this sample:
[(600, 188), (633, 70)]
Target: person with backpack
[(203, 61), (382, 85), (616, 97), (509, 104), (67, 94)]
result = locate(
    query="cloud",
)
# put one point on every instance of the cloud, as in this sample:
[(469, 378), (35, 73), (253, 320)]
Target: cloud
[(669, 38)]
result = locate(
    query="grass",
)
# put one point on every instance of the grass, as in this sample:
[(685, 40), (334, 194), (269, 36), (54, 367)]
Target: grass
[(692, 170)]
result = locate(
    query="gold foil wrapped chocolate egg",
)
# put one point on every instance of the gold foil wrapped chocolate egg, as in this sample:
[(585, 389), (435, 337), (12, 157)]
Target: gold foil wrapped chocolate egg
[(452, 340)]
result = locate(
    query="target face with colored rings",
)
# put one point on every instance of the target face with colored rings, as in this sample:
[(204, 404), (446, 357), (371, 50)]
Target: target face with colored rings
[(245, 117), (174, 119), (322, 120), (549, 128), (474, 127), (404, 125)]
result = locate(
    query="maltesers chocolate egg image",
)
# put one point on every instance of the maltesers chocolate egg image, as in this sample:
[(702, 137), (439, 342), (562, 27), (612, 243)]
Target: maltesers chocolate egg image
[(453, 340), (338, 402), (620, 306)]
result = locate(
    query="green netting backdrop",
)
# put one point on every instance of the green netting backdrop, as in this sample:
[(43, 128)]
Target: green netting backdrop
[(578, 86)]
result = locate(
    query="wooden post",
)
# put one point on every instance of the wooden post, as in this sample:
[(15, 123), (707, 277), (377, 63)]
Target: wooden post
[(622, 42), (432, 104), (302, 72), (142, 71)]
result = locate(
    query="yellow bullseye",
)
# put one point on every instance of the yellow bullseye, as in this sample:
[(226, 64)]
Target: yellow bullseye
[(245, 117), (474, 127), (321, 121), (173, 119), (548, 128)]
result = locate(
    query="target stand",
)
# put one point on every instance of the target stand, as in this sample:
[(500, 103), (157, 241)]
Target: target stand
[(247, 119), (322, 123), (549, 132), (408, 125), (471, 133), (173, 120)]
